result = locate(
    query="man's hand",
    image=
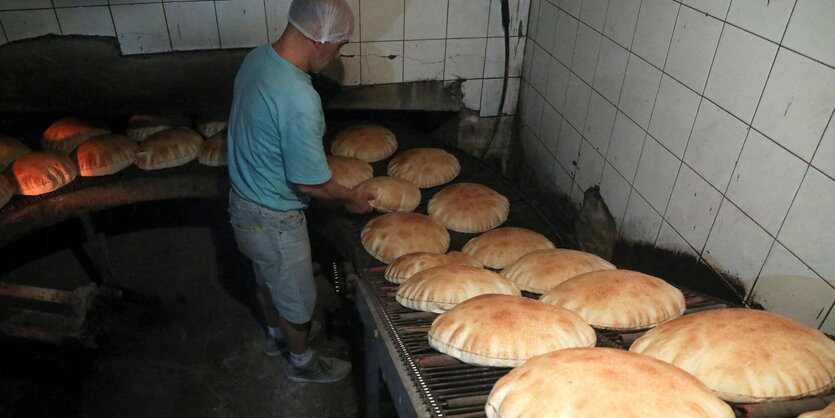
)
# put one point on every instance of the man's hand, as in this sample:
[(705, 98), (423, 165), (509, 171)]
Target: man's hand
[(359, 202)]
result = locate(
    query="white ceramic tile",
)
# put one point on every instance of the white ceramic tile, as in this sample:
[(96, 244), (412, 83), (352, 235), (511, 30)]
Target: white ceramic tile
[(94, 21), (3, 39), (571, 6), (577, 195), (494, 61), (641, 222), (786, 286), (426, 19), (767, 18), (377, 65), (625, 146), (564, 38), (541, 67), (550, 129), (828, 326), (345, 69), (589, 166), (824, 159), (533, 19), (472, 93), (133, 1), (640, 86), (797, 102), (24, 24), (141, 28), (381, 20), (715, 8), (808, 228), (576, 101), (188, 25), (78, 3), (692, 49), (693, 207), (539, 162), (423, 60), (765, 181), (491, 94), (608, 79), (615, 192), (564, 182), (737, 245), (558, 76), (468, 18), (546, 27), (277, 11), (355, 9), (593, 13), (25, 4), (739, 71), (655, 29), (656, 174), (242, 23), (670, 239), (599, 122), (715, 144), (585, 53), (568, 148), (518, 18), (673, 116), (465, 58), (531, 109), (527, 65), (621, 18)]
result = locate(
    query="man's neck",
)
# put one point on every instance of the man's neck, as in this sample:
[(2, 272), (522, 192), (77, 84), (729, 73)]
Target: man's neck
[(293, 52)]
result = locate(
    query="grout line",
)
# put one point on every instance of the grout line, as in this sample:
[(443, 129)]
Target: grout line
[(825, 317), (57, 20), (446, 43), (217, 24), (167, 28)]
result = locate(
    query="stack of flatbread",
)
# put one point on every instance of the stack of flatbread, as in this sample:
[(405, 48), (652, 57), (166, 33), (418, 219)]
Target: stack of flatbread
[(369, 143), (43, 172), (425, 167), (168, 148), (394, 234), (469, 208), (105, 154), (504, 331), (540, 271), (65, 134), (745, 355), (439, 289), (500, 247), (348, 171), (10, 150), (211, 125), (213, 152), (391, 194), (140, 127), (407, 265), (601, 382)]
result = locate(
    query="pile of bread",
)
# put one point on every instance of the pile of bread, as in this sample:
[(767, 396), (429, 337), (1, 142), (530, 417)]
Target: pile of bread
[(71, 147), (682, 366)]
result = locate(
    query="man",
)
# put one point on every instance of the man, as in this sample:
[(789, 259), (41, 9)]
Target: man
[(276, 162)]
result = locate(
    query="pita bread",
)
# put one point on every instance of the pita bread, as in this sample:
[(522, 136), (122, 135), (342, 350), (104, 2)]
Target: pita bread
[(10, 150), (43, 172), (539, 271), (601, 382), (213, 151), (7, 190), (440, 288), (745, 355), (369, 143), (65, 134), (393, 195), (828, 412), (105, 154), (618, 299), (425, 167), (211, 128), (140, 127), (504, 331), (391, 235), (348, 171), (405, 266), (469, 208), (169, 148), (501, 247)]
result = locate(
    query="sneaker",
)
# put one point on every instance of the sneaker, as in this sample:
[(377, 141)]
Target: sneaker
[(318, 370), (273, 347)]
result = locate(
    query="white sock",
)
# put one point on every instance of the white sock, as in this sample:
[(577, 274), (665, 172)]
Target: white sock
[(301, 359), (276, 333)]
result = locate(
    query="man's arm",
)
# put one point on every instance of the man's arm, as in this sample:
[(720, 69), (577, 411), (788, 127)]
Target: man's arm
[(355, 201)]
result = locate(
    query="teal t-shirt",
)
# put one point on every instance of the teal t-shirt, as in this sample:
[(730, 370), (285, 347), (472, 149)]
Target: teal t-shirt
[(275, 132)]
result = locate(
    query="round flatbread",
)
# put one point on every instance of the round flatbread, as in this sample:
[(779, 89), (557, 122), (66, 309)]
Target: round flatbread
[(504, 331), (618, 299), (601, 382), (425, 167), (745, 355), (140, 127), (407, 265), (439, 289), (213, 152), (391, 235), (105, 154), (539, 271), (501, 247), (7, 190), (392, 195), (65, 134), (369, 143), (348, 171), (43, 172), (169, 148), (10, 150), (469, 208), (211, 128)]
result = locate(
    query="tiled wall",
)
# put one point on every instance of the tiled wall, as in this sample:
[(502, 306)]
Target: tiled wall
[(706, 123), (395, 40)]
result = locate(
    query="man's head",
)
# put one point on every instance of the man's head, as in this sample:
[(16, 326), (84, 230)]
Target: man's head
[(327, 24)]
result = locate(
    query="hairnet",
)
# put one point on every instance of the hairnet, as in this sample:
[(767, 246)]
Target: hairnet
[(322, 20)]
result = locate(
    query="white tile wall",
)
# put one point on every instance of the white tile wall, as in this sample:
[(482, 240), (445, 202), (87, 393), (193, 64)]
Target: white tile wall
[(641, 222), (656, 174), (494, 60), (426, 19), (468, 18), (24, 24), (94, 21), (190, 25), (599, 122), (620, 21), (277, 17), (693, 207), (693, 46), (518, 18), (825, 156), (675, 111), (242, 23), (764, 18), (715, 144), (656, 23), (811, 31), (584, 60), (491, 93), (382, 62), (423, 60), (590, 165), (640, 87), (3, 39), (465, 58), (382, 20), (141, 28)]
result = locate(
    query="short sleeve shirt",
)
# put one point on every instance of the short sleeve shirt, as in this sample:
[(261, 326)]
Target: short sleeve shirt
[(275, 132)]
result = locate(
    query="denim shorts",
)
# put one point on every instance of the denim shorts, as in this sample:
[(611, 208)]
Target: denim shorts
[(279, 247)]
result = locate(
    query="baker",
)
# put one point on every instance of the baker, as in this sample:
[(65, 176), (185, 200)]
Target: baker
[(276, 163)]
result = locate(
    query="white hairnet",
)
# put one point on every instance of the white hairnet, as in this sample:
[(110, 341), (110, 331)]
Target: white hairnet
[(322, 20)]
